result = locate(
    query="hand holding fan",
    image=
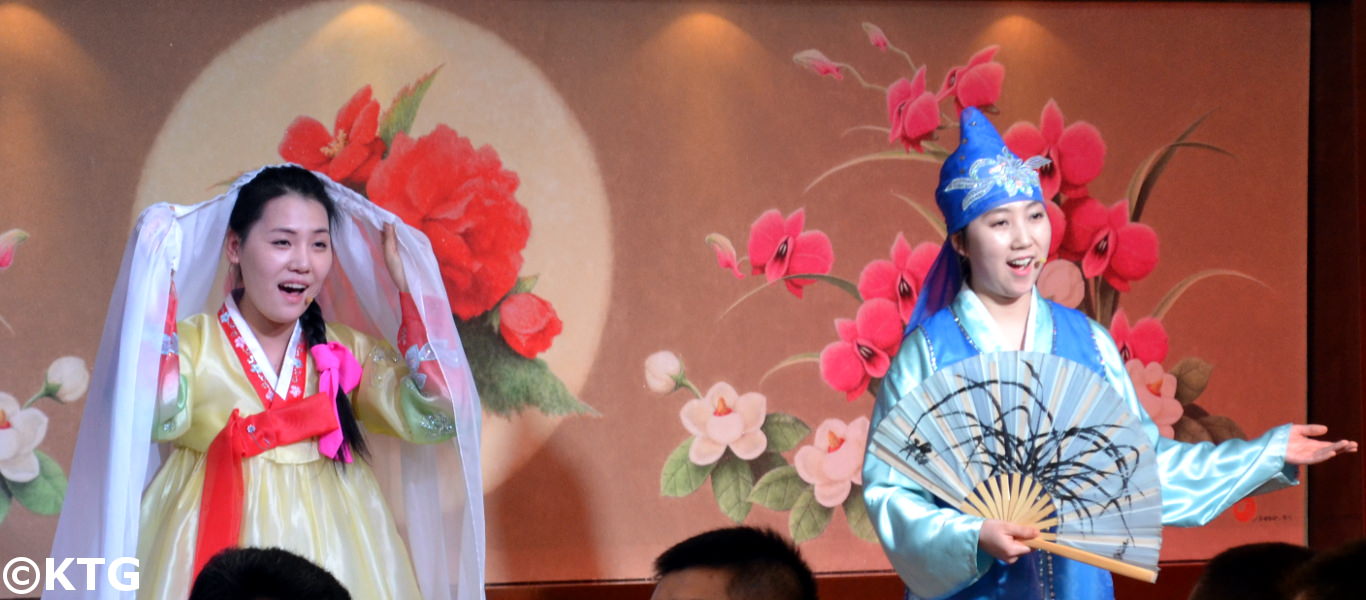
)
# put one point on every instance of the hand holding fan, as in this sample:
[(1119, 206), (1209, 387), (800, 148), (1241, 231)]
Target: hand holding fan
[(1038, 440)]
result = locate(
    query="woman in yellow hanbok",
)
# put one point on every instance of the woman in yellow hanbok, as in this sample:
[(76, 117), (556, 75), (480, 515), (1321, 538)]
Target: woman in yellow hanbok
[(259, 402)]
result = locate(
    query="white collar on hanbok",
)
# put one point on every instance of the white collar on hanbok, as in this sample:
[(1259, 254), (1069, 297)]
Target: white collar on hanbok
[(986, 335), (280, 381)]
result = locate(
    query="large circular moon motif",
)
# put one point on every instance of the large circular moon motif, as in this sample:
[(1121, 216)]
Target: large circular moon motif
[(310, 61)]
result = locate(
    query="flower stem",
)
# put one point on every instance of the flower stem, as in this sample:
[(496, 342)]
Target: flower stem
[(861, 80), (903, 55), (683, 382)]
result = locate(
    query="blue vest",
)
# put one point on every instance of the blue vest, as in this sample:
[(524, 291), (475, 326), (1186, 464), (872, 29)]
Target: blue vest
[(1037, 575)]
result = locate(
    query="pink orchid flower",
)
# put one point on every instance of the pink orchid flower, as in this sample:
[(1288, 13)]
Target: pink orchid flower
[(1061, 282), (1106, 242), (725, 419), (977, 83), (912, 112), (1156, 391), (1145, 341), (865, 350), (778, 248), (1076, 153), (876, 37), (9, 242), (900, 278), (833, 462), (818, 63), (725, 253)]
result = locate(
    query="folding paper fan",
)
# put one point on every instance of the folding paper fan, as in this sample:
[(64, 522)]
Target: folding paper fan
[(1039, 440)]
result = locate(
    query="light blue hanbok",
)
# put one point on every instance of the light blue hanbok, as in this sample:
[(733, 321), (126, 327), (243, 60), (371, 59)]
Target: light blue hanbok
[(934, 548)]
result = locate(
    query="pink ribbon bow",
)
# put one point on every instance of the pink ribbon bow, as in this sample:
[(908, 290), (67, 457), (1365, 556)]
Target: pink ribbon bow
[(338, 369)]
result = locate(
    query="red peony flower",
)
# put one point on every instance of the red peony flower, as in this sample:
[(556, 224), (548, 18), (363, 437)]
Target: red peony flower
[(876, 37), (818, 63), (349, 153), (778, 248), (1146, 340), (977, 83), (463, 199), (912, 112), (528, 324), (1077, 152), (900, 278), (1107, 243), (865, 350)]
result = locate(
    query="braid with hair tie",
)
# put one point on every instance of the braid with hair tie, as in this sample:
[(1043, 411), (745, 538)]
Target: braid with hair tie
[(315, 333)]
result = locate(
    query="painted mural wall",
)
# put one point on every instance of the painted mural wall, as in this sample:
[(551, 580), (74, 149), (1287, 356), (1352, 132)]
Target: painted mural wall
[(622, 195)]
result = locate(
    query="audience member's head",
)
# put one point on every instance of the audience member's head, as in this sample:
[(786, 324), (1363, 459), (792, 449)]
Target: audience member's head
[(1338, 574), (739, 563), (1251, 572), (264, 574)]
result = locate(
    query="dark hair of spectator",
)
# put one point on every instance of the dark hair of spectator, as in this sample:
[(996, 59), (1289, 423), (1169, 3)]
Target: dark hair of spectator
[(1251, 572), (1337, 574), (264, 574), (763, 565)]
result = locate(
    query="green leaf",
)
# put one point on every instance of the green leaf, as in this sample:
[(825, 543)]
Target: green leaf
[(398, 118), (525, 284), (795, 359), (680, 476), (808, 518), (931, 216), (779, 489), (44, 494), (874, 128), (731, 483), (849, 287), (931, 157), (1192, 376), (1173, 294), (766, 462), (6, 498), (784, 431), (856, 514), (509, 382)]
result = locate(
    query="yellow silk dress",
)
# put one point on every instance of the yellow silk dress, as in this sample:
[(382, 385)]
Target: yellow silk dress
[(294, 498)]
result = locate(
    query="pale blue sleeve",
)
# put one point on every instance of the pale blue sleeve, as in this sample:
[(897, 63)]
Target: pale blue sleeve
[(933, 549), (1202, 480)]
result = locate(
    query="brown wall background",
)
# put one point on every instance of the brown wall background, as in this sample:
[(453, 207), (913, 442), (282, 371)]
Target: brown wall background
[(698, 125)]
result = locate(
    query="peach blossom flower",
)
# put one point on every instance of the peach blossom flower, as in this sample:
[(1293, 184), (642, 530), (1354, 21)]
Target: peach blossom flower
[(67, 379), (21, 430), (722, 419), (663, 371), (1157, 393), (834, 460)]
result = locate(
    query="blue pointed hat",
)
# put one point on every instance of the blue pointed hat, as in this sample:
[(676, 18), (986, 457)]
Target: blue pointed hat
[(983, 174), (979, 176)]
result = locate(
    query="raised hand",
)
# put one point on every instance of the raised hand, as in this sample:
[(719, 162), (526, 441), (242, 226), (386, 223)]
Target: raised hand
[(1302, 449), (392, 260)]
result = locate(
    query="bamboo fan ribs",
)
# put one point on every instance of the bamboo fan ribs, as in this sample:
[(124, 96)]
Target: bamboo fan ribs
[(1038, 440)]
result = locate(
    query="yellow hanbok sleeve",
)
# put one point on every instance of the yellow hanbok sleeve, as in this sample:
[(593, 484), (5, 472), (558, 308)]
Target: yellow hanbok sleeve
[(391, 399)]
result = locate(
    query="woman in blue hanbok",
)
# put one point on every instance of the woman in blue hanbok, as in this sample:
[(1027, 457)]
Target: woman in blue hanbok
[(980, 297)]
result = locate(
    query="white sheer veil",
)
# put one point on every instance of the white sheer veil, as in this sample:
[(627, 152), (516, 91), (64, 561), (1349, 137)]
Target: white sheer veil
[(434, 490)]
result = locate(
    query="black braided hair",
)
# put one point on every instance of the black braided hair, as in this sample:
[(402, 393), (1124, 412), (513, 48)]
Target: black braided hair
[(252, 198)]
